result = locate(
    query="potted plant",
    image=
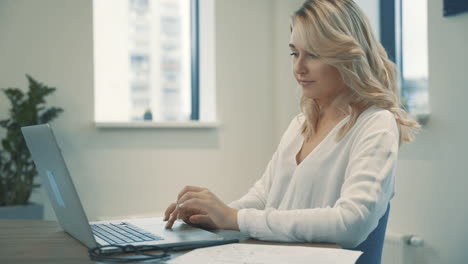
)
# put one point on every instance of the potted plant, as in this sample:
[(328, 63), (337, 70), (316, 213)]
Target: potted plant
[(17, 170)]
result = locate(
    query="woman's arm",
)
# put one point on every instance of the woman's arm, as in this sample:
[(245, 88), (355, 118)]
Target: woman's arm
[(198, 205), (364, 197), (208, 211)]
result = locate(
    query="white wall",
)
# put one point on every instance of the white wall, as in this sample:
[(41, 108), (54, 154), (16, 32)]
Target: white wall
[(286, 90), (372, 10), (432, 177), (139, 171)]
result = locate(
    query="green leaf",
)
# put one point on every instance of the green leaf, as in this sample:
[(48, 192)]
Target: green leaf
[(6, 145), (15, 95), (50, 114), (4, 123)]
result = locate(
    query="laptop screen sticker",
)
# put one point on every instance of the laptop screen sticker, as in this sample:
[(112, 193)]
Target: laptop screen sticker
[(55, 189)]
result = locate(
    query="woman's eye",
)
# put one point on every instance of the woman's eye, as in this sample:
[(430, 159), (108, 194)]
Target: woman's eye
[(296, 54)]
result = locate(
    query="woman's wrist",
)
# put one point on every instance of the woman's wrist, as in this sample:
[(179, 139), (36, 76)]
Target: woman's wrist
[(232, 219)]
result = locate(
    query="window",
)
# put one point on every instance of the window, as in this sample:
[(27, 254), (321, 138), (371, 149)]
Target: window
[(404, 36), (146, 61)]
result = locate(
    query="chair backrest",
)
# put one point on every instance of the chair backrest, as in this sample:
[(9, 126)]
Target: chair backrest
[(373, 245)]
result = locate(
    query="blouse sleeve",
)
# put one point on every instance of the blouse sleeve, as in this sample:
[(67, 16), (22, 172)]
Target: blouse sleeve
[(364, 196)]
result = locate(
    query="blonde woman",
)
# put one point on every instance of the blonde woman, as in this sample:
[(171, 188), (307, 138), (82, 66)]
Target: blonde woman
[(332, 176)]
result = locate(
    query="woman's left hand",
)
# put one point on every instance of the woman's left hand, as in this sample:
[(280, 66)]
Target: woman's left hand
[(211, 212)]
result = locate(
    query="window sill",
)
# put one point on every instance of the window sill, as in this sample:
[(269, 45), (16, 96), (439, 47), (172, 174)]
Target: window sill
[(150, 124)]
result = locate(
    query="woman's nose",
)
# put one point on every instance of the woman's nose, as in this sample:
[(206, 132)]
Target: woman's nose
[(299, 66)]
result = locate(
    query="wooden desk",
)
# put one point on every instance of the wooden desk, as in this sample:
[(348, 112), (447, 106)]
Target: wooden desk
[(34, 241)]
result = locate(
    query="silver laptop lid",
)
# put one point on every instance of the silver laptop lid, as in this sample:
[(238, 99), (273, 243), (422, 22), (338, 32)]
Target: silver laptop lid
[(55, 177)]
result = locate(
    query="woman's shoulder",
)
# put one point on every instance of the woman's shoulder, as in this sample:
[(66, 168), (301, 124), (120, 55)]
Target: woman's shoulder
[(294, 128), (377, 118), (376, 112), (297, 122)]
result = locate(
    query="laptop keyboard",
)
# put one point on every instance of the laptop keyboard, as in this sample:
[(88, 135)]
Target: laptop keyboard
[(123, 233)]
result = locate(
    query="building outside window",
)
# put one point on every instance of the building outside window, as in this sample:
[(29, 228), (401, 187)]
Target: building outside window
[(144, 55)]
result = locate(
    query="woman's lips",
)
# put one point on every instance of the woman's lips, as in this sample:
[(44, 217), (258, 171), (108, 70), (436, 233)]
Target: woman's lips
[(304, 83)]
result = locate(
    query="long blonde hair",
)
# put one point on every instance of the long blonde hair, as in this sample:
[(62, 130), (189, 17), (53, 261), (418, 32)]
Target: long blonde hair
[(340, 33)]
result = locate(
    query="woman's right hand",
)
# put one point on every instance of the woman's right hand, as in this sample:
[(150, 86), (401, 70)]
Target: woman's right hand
[(200, 207), (170, 209), (173, 213)]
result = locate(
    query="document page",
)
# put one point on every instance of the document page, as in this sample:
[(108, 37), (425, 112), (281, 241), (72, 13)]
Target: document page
[(260, 254)]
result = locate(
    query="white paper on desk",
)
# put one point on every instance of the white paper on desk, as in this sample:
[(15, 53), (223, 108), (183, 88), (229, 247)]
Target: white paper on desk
[(259, 254)]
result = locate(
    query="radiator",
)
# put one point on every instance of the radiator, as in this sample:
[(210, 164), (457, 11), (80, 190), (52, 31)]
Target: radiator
[(400, 248)]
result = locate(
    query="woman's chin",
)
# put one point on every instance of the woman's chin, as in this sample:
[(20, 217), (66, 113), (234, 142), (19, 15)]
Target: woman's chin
[(309, 94)]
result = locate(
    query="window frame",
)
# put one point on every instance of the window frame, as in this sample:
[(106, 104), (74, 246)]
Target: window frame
[(391, 37), (195, 54), (203, 76)]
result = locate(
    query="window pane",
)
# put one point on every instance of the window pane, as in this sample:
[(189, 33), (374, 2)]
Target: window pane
[(415, 56), (142, 60)]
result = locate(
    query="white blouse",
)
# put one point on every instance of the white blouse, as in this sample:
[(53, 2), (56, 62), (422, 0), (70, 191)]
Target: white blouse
[(337, 194)]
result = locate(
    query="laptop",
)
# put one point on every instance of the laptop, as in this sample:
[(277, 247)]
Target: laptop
[(56, 178)]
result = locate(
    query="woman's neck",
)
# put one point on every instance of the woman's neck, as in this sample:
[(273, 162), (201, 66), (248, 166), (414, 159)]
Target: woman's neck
[(336, 109)]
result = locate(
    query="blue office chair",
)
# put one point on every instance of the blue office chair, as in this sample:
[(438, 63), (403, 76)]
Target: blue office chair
[(373, 245)]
